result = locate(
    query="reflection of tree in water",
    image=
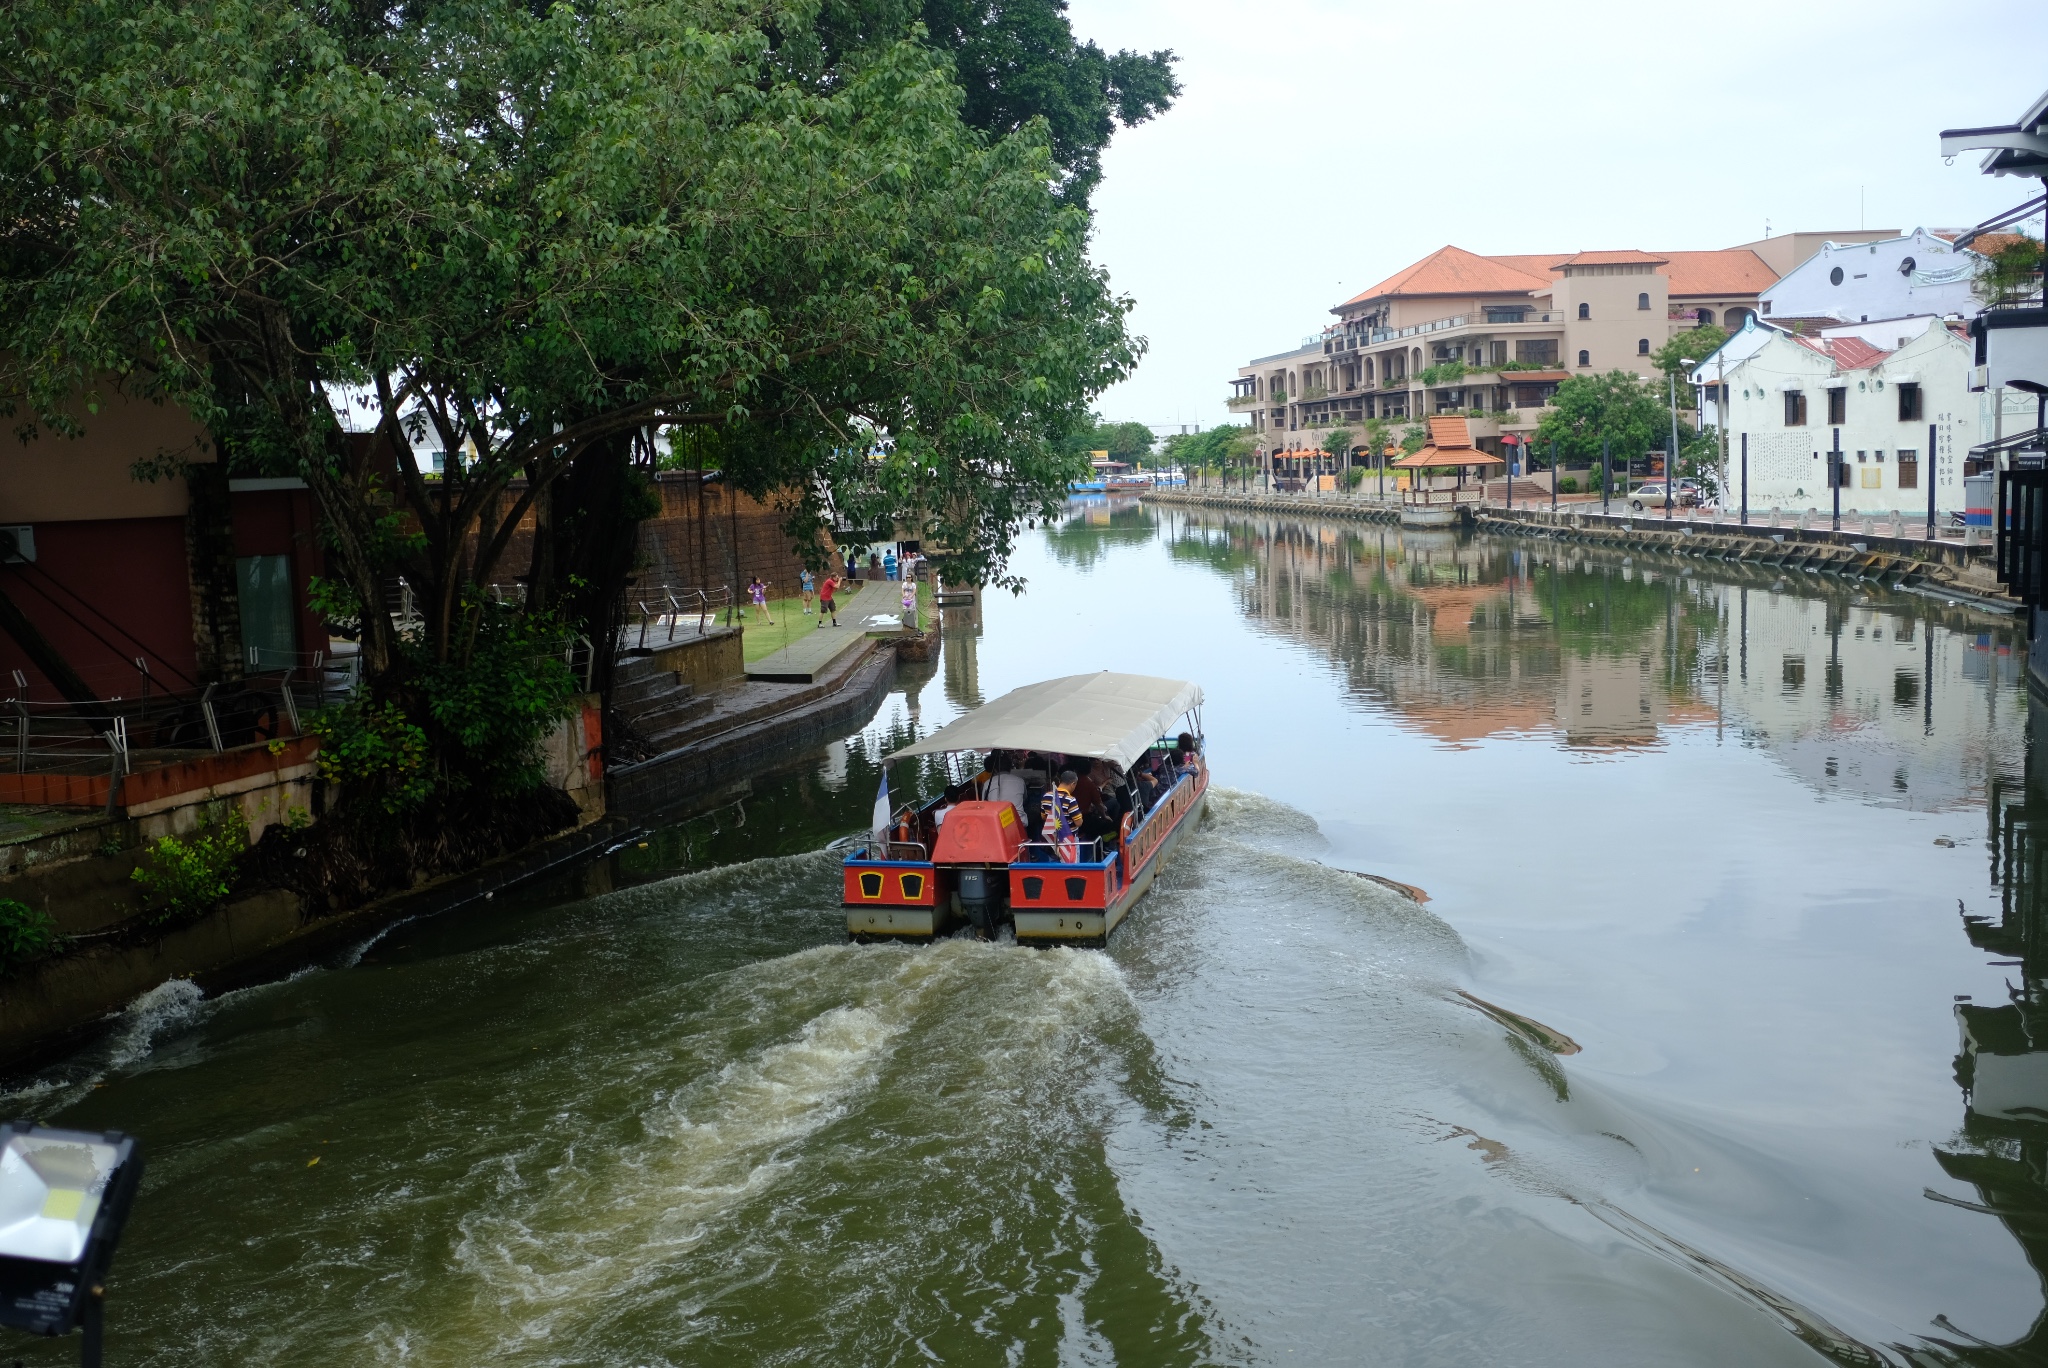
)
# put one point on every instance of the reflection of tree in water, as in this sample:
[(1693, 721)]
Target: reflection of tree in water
[(1097, 528), (1464, 634), (2002, 1148)]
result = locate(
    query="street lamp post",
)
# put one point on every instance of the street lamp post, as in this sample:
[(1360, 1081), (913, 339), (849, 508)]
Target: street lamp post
[(1606, 473), (1671, 459)]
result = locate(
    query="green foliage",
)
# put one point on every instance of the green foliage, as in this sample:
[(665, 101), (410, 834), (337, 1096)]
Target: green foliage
[(25, 934), (491, 711), (1129, 442), (1568, 485), (534, 229), (1618, 406), (1697, 344), (1338, 442), (1443, 373), (191, 877), (1217, 447), (2012, 272), (371, 748), (1017, 62), (1354, 476), (334, 600), (1526, 365)]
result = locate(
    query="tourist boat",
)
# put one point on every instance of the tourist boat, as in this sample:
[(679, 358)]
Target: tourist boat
[(954, 860)]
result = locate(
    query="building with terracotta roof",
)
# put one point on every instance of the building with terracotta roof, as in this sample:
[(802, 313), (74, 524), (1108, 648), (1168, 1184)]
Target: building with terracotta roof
[(1894, 393), (1491, 337)]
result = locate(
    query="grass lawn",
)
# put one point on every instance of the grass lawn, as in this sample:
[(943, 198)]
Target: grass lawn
[(759, 639)]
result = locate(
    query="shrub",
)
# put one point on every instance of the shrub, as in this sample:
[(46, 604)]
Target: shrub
[(1568, 485), (371, 745), (25, 933), (192, 877)]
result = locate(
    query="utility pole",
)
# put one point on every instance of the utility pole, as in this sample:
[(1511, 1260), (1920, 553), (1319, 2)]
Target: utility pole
[(1671, 457), (1606, 473), (1745, 479)]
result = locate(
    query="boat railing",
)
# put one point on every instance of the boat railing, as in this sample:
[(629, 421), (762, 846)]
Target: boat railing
[(914, 851), (1087, 853)]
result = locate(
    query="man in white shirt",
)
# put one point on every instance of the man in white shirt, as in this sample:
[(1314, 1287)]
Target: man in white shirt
[(1004, 784)]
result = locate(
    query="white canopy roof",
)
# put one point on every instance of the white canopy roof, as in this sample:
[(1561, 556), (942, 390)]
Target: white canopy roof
[(1105, 716)]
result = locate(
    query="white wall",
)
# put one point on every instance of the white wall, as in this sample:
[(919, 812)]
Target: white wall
[(1784, 471), (1873, 284)]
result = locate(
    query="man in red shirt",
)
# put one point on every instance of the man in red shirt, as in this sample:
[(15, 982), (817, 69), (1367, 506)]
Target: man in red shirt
[(826, 607)]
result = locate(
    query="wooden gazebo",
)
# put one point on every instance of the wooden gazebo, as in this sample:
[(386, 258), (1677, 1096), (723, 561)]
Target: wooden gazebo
[(1449, 447)]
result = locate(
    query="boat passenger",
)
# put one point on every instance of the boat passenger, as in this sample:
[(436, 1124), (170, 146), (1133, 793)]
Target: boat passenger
[(1004, 784), (1063, 819), (1185, 756), (1086, 791), (1097, 826)]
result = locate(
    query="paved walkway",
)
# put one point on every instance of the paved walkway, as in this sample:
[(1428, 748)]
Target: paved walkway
[(809, 656)]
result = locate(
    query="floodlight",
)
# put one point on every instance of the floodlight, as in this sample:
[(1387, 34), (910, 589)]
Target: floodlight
[(64, 1196)]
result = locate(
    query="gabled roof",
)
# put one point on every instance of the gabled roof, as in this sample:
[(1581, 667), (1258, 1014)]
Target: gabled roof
[(1450, 431), (1848, 353), (1455, 271), (1450, 444)]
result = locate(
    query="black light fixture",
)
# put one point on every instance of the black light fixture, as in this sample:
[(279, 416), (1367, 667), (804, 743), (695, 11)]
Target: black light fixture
[(64, 1196)]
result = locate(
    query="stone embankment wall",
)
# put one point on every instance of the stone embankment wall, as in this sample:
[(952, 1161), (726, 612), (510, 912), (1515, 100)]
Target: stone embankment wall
[(80, 871), (1954, 565)]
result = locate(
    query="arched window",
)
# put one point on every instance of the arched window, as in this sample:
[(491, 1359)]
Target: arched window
[(1585, 310), (1585, 357), (1706, 318), (1642, 346), (1643, 301)]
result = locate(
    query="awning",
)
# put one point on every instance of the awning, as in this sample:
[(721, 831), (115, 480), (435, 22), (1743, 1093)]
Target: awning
[(1113, 717)]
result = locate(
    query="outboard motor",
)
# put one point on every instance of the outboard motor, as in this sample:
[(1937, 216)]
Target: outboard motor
[(976, 845)]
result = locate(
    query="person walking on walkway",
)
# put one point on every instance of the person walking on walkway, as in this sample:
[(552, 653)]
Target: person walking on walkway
[(910, 605), (888, 565), (826, 608), (758, 593), (807, 586)]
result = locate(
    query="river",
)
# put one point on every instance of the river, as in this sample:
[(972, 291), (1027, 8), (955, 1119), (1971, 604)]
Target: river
[(1666, 1069)]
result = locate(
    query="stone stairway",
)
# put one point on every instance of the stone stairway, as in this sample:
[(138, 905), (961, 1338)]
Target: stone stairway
[(656, 703)]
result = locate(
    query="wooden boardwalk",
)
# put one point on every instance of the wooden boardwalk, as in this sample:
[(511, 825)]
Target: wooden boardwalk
[(809, 656)]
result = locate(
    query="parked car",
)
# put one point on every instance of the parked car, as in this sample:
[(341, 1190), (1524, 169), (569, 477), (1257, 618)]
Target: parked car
[(1651, 495)]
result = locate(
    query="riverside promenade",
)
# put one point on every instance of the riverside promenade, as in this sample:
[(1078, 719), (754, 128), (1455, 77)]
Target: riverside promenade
[(1952, 563)]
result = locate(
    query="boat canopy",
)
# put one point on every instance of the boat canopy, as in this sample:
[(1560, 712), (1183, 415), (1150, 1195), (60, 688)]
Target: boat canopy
[(1104, 716)]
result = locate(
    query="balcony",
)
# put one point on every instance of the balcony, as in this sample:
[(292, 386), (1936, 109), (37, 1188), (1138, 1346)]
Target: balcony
[(1244, 401), (1530, 320)]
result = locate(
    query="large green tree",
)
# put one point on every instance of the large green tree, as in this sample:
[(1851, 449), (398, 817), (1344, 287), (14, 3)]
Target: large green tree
[(526, 235), (1015, 61), (1618, 407)]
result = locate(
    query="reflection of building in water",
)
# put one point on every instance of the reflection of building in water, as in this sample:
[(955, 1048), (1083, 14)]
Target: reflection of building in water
[(1881, 699), (1891, 699), (2002, 1148), (1609, 700)]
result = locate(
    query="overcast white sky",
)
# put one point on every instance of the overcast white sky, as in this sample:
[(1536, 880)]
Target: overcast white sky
[(1320, 146)]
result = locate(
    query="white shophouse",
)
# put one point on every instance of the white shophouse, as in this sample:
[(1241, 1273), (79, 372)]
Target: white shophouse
[(1882, 386), (1854, 282)]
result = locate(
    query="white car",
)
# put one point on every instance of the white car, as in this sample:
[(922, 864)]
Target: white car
[(1648, 496)]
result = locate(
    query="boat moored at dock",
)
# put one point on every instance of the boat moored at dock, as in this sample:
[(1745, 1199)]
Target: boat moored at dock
[(982, 852)]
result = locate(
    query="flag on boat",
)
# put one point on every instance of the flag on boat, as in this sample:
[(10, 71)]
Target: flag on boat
[(882, 805)]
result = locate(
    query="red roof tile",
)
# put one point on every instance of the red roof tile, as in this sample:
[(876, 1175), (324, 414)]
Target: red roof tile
[(1630, 257), (1455, 271), (1449, 432), (1732, 271)]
